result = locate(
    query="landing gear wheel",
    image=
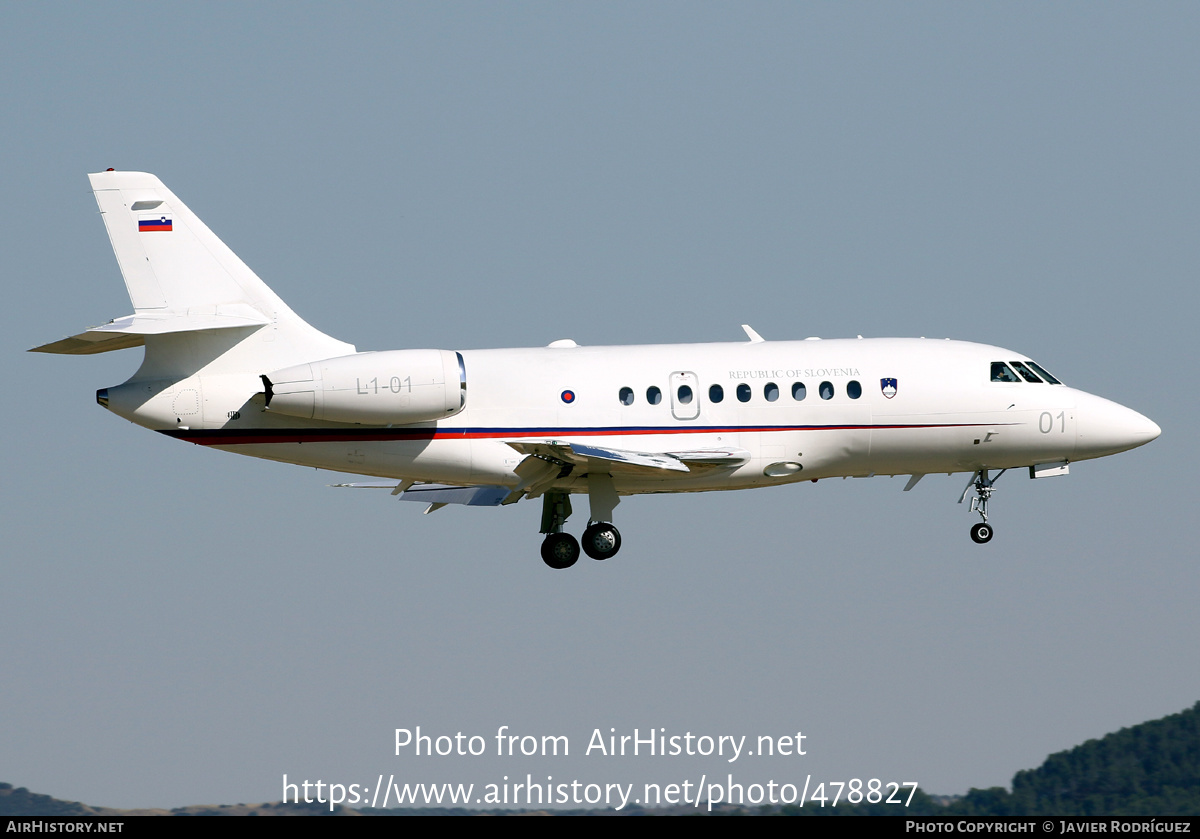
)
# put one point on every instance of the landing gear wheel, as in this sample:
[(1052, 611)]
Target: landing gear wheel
[(981, 533), (601, 540), (560, 550)]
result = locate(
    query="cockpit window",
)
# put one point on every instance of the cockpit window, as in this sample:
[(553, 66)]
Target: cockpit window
[(1001, 373), (1026, 374), (1041, 371)]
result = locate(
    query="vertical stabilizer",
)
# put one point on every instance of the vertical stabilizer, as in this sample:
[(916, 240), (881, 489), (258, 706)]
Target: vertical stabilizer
[(196, 303)]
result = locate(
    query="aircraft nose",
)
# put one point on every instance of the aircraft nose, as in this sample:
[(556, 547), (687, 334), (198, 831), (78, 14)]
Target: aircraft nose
[(1105, 428)]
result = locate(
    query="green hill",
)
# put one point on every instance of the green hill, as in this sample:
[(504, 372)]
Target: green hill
[(22, 802), (1152, 769)]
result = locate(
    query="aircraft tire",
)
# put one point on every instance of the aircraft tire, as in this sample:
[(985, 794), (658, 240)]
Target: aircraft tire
[(981, 533), (601, 540), (560, 550)]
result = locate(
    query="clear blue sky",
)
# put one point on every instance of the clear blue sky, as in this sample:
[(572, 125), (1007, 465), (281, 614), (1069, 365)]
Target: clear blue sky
[(181, 626)]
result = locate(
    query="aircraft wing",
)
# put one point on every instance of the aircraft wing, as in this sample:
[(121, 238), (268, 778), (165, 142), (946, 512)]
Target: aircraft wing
[(550, 460)]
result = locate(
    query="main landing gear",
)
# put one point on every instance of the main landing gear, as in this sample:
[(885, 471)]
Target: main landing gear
[(601, 539), (981, 533)]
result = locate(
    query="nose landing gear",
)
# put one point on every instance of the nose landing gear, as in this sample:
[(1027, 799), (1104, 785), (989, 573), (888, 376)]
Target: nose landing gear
[(981, 533)]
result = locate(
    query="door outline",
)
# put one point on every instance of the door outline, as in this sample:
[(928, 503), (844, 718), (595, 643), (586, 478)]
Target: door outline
[(680, 410)]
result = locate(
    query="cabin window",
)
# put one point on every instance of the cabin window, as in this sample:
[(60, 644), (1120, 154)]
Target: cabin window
[(853, 389), (684, 395), (626, 396), (1026, 374), (653, 395), (826, 390), (1001, 373), (1041, 371), (716, 393), (770, 391), (799, 391), (743, 393)]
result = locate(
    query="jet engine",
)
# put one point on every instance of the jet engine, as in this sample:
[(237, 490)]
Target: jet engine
[(371, 388)]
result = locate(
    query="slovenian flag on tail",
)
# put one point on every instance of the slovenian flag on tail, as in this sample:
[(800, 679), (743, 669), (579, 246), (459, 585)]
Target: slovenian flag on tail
[(154, 224)]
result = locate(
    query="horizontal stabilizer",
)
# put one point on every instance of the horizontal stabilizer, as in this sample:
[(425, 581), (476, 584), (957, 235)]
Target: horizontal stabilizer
[(91, 342), (131, 330)]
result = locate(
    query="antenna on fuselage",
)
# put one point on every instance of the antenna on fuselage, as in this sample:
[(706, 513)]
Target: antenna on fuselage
[(755, 338)]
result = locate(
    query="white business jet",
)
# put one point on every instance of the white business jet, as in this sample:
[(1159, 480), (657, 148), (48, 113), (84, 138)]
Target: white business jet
[(228, 365)]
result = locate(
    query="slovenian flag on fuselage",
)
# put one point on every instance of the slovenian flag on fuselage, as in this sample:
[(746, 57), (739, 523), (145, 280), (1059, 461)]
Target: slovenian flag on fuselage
[(154, 224)]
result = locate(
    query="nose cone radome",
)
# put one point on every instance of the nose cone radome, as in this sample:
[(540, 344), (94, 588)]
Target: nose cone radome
[(1105, 428)]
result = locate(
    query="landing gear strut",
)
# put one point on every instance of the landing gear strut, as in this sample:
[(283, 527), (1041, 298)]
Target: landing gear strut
[(981, 533), (559, 550)]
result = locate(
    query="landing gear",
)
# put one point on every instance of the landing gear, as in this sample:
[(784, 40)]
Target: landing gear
[(601, 540), (981, 533), (560, 550)]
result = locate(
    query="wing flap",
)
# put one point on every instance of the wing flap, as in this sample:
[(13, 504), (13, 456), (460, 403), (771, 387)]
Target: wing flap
[(617, 460), (631, 462)]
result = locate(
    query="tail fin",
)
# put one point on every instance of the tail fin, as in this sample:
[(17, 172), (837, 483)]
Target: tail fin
[(196, 304)]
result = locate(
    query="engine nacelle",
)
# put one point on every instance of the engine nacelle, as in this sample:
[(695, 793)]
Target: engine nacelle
[(372, 388)]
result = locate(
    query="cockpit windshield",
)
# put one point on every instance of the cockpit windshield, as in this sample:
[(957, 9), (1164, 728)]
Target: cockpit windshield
[(1026, 374), (1030, 372), (1041, 371)]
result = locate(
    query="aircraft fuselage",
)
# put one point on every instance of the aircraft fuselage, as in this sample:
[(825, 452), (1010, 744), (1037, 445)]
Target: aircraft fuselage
[(943, 414)]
